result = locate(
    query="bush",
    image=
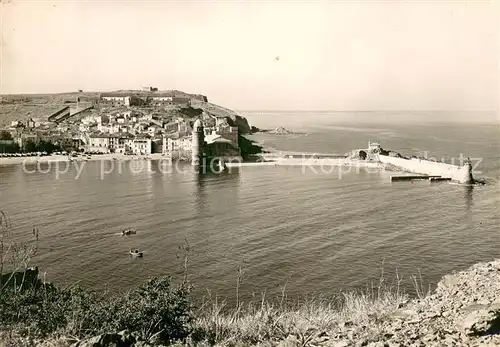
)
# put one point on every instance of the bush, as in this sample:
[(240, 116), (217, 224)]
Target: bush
[(35, 312), (155, 311)]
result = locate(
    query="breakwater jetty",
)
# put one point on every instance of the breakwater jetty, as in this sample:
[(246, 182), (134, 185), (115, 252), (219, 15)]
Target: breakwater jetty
[(373, 157)]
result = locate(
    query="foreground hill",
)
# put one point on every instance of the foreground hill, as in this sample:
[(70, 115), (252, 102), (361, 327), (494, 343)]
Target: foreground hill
[(464, 311)]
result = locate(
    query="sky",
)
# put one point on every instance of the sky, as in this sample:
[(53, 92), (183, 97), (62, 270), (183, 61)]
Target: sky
[(275, 55)]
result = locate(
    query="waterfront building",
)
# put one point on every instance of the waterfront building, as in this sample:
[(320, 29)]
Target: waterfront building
[(119, 143), (218, 146), (221, 143), (125, 143), (23, 138), (102, 143), (179, 144), (141, 144)]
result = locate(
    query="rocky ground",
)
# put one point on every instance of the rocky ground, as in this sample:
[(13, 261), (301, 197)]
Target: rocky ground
[(464, 310)]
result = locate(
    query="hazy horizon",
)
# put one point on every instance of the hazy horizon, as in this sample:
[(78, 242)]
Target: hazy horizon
[(319, 55)]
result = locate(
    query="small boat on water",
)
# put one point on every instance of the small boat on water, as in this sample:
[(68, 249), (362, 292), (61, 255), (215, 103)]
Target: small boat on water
[(129, 231), (136, 253)]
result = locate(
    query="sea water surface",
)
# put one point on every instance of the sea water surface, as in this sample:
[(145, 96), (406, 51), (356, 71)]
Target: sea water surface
[(316, 231)]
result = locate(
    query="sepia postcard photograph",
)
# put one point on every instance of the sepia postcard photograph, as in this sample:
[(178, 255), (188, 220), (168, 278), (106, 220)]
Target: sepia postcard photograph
[(238, 173)]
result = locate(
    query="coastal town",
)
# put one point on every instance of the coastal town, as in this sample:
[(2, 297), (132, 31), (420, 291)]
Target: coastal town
[(178, 126), (136, 122)]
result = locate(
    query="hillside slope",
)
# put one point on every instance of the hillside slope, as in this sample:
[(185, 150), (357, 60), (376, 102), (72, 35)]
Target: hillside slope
[(234, 119), (22, 112), (23, 107)]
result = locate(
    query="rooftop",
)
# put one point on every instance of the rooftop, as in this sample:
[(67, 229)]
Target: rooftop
[(102, 135), (143, 136)]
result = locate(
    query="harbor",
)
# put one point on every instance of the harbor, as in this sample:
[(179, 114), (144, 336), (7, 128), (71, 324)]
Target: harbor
[(373, 157), (249, 174)]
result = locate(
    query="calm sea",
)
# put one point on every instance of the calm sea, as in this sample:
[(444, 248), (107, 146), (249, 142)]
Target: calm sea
[(317, 231)]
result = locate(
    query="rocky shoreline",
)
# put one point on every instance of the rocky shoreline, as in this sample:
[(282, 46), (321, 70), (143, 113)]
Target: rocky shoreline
[(464, 310)]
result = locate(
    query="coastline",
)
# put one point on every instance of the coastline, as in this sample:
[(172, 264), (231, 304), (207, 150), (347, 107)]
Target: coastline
[(307, 161), (64, 158)]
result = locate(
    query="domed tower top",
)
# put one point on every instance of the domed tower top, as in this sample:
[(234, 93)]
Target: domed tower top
[(197, 125)]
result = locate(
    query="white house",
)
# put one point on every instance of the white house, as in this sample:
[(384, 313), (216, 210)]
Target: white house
[(102, 143), (108, 128), (140, 145), (119, 143), (91, 119), (181, 144)]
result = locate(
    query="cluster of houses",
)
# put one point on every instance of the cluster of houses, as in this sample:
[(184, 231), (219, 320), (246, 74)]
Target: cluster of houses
[(130, 123), (152, 97)]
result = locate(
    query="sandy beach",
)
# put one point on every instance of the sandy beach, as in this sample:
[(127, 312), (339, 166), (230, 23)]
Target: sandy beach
[(65, 158), (274, 158), (328, 162)]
